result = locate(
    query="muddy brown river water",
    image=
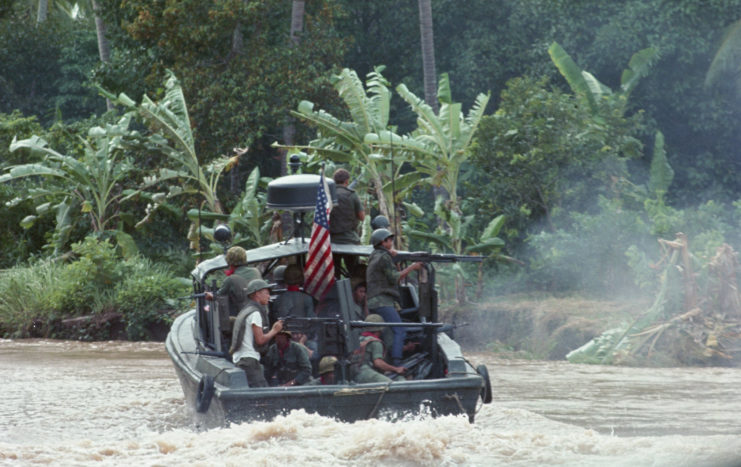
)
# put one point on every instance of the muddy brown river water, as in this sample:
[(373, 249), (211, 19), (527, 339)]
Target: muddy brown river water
[(120, 403)]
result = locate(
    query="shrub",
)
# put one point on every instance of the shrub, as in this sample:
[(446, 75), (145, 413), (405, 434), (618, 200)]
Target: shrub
[(35, 298)]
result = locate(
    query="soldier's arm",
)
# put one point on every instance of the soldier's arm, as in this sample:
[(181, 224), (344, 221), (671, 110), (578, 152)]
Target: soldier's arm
[(383, 367)]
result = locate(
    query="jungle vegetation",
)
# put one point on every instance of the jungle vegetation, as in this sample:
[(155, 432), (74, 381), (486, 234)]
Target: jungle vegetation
[(567, 142)]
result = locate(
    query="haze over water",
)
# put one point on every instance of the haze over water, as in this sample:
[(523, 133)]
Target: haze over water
[(120, 403)]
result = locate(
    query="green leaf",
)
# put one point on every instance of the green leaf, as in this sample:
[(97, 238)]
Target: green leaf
[(493, 228), (489, 245), (28, 221), (442, 241), (126, 243), (206, 215), (413, 209), (572, 73)]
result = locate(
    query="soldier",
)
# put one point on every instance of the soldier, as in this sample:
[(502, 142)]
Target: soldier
[(380, 222), (248, 333), (279, 276), (383, 279), (295, 303), (367, 362), (287, 362), (326, 371), (238, 276), (344, 218)]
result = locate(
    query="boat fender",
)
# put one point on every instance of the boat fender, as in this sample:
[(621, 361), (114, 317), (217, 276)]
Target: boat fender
[(205, 393), (486, 394)]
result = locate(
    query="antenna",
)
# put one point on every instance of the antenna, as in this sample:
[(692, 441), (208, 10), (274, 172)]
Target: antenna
[(393, 190)]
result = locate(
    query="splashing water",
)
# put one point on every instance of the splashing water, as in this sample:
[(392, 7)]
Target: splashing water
[(114, 403)]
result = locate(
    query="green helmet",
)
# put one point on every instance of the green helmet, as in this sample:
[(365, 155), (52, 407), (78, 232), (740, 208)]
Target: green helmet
[(279, 273), (379, 235), (374, 318), (236, 256), (256, 285), (380, 222), (326, 364)]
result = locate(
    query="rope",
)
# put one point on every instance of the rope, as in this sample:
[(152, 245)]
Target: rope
[(457, 399), (378, 402)]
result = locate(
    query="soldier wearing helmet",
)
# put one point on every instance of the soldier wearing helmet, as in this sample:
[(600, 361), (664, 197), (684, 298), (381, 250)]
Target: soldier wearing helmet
[(249, 336), (238, 276), (380, 222), (298, 304), (382, 278), (287, 362), (367, 364), (326, 371)]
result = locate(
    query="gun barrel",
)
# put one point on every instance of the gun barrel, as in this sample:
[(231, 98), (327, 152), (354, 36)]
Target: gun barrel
[(366, 324), (425, 257)]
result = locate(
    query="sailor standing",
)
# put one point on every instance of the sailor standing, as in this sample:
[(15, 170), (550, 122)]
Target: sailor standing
[(383, 279), (248, 333)]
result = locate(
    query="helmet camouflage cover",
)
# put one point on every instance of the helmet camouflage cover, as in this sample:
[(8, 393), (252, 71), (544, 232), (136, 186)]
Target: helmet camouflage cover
[(326, 364), (374, 318), (236, 256)]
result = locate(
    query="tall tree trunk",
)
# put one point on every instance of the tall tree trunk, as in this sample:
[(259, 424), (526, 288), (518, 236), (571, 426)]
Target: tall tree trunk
[(104, 48), (42, 12), (428, 53), (236, 50), (289, 127)]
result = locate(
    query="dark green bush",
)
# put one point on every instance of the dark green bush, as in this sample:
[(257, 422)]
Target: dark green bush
[(36, 298)]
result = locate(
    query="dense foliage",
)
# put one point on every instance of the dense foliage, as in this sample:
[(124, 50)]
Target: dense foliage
[(36, 299), (585, 189)]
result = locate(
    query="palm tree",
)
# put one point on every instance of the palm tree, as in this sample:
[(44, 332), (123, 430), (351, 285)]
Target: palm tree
[(428, 52)]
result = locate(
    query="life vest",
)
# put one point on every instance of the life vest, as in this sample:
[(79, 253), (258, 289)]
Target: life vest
[(342, 218), (359, 357)]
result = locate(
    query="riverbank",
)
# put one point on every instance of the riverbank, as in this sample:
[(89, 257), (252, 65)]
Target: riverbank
[(542, 327)]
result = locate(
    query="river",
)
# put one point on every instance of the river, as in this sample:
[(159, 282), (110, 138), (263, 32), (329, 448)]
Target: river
[(120, 403)]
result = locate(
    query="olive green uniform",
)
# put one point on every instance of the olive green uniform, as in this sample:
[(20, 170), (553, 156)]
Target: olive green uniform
[(382, 279), (343, 219), (235, 287), (293, 364), (294, 303), (364, 371)]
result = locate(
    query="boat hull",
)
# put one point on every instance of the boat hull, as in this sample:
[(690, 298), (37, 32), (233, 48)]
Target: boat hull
[(231, 400)]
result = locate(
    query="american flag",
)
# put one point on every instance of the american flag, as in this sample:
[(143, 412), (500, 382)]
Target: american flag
[(319, 269)]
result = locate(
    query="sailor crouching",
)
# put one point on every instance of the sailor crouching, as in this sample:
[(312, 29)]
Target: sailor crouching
[(367, 363), (247, 333), (286, 362)]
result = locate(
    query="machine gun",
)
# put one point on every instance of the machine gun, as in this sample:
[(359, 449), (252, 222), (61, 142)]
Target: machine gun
[(412, 364), (192, 296), (426, 257), (308, 325)]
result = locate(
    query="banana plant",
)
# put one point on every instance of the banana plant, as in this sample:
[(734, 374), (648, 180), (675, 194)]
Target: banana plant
[(438, 148), (172, 136), (590, 89), (248, 215), (487, 244), (91, 186), (344, 141)]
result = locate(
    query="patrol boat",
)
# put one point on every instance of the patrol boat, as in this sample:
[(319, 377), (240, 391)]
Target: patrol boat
[(439, 380)]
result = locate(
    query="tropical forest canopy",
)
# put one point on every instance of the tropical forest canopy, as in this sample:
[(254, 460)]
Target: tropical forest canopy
[(565, 137)]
